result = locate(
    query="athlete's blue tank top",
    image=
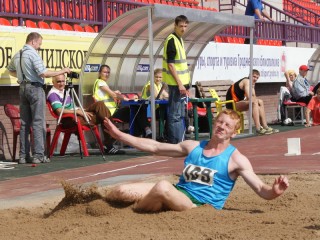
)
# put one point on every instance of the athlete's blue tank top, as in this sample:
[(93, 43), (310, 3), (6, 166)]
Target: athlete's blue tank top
[(207, 178)]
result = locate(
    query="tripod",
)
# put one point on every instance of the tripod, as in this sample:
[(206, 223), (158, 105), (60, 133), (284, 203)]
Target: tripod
[(69, 91)]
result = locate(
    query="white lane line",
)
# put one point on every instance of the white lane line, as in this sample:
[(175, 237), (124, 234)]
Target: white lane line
[(118, 169)]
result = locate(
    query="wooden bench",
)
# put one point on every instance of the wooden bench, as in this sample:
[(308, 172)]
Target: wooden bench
[(221, 87)]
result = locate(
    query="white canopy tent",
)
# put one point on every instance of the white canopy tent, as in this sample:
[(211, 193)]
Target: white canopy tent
[(132, 45)]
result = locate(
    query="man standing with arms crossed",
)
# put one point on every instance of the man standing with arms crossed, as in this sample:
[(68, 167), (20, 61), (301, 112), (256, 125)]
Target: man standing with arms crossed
[(176, 75), (29, 68)]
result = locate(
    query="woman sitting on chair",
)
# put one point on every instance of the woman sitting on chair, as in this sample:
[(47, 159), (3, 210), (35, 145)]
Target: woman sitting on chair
[(102, 92)]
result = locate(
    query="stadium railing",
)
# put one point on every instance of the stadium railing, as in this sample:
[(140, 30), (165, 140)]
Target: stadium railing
[(307, 12)]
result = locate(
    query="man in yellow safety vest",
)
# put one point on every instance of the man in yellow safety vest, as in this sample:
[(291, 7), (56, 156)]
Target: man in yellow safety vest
[(176, 75)]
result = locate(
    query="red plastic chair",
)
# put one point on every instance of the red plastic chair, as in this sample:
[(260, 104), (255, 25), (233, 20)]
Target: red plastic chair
[(5, 22), (43, 25), (76, 129), (74, 10), (10, 6), (202, 112), (241, 40), (45, 11), (13, 113), (55, 9), (218, 39), (297, 112), (66, 27), (55, 26), (15, 22), (31, 24), (88, 29), (78, 28), (230, 40)]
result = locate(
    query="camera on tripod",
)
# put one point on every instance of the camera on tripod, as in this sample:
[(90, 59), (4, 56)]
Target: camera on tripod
[(73, 75)]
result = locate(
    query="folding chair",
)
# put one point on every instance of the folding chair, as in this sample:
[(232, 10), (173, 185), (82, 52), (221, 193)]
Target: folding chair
[(297, 111)]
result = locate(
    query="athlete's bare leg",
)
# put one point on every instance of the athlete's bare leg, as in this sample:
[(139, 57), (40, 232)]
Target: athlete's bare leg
[(262, 114), (164, 196), (244, 106), (129, 192)]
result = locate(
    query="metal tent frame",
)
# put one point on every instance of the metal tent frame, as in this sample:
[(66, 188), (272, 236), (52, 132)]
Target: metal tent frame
[(135, 40), (314, 66)]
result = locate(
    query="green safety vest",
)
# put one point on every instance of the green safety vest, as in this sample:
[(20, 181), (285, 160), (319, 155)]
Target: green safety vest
[(108, 101), (180, 63)]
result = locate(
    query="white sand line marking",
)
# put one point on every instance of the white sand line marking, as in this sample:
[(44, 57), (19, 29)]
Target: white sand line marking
[(317, 153), (118, 169)]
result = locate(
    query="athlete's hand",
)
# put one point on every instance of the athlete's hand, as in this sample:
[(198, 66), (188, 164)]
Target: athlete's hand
[(280, 185)]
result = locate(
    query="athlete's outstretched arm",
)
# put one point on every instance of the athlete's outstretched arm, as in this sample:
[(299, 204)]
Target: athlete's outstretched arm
[(149, 145), (245, 170)]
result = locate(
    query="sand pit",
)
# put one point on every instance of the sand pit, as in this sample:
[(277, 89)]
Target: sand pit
[(83, 214)]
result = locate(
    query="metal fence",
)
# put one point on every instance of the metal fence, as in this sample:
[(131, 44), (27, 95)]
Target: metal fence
[(307, 12)]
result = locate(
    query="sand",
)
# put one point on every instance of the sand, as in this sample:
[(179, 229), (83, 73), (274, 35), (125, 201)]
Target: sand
[(83, 214)]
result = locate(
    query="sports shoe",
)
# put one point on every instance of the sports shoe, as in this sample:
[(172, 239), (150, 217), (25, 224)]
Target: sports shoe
[(148, 133), (272, 130), (113, 151), (23, 160), (263, 131), (40, 160), (190, 129)]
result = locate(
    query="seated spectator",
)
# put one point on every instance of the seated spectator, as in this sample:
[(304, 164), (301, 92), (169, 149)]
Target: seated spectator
[(146, 91), (301, 87), (102, 92), (95, 113), (290, 77), (313, 108), (285, 93), (158, 85), (239, 92)]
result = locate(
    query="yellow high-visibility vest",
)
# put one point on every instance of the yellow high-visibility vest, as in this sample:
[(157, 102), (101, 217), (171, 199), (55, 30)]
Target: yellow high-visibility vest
[(99, 96), (145, 94), (180, 63)]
